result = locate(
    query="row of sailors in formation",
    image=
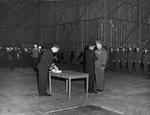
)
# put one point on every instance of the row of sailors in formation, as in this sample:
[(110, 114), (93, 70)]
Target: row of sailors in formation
[(18, 57), (120, 59), (129, 60)]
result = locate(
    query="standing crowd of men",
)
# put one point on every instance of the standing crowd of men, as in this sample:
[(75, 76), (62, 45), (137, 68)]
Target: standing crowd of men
[(131, 60), (95, 60), (14, 57)]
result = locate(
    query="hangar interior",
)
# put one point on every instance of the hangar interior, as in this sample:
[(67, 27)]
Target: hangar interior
[(72, 24)]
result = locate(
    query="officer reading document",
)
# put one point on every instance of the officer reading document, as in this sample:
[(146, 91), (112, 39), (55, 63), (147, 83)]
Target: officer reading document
[(43, 69)]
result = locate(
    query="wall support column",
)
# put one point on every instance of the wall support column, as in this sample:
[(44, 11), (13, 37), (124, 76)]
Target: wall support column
[(139, 25), (105, 39)]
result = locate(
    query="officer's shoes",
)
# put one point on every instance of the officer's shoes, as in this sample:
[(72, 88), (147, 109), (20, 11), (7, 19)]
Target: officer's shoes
[(45, 94), (48, 94), (99, 90), (94, 92)]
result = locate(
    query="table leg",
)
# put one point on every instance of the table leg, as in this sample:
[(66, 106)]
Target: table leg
[(69, 87), (87, 86), (66, 85), (50, 84)]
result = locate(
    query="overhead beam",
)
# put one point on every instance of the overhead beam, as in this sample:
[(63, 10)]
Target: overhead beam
[(115, 9), (85, 9), (128, 36)]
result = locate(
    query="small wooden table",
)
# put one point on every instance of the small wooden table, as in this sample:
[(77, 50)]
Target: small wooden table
[(68, 76)]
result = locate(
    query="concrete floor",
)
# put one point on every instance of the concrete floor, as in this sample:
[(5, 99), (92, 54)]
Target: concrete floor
[(124, 93)]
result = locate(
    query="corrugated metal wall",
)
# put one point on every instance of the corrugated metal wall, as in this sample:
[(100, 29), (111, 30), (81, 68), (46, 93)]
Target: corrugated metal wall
[(118, 23), (16, 20), (73, 23)]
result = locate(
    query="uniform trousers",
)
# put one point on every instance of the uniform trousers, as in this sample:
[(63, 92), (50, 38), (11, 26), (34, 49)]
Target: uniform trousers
[(124, 68), (99, 73), (35, 62), (42, 82), (145, 67), (137, 67), (112, 65), (130, 66), (118, 68), (91, 82)]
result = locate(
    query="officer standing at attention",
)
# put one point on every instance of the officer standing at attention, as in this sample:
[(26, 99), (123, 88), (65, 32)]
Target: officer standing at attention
[(124, 60), (146, 61), (138, 60), (43, 67), (118, 60), (112, 59), (100, 65), (35, 56), (90, 59), (130, 59)]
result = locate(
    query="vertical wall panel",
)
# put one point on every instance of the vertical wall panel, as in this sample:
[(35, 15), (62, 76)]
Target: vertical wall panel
[(78, 22), (72, 24)]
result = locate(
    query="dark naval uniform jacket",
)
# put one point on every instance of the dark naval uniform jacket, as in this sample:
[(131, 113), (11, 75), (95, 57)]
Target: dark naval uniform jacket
[(90, 58), (43, 66)]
